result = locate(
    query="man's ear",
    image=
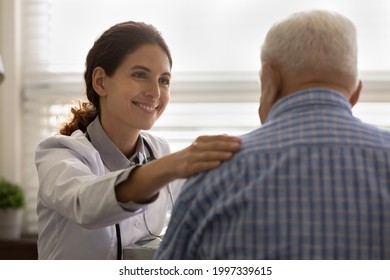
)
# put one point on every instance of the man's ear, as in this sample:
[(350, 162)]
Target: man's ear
[(353, 99), (271, 85), (98, 77), (271, 80)]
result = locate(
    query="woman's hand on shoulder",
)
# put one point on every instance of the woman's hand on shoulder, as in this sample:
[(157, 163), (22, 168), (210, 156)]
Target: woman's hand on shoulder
[(205, 153)]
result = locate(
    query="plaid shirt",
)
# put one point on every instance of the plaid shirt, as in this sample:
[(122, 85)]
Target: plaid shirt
[(312, 183)]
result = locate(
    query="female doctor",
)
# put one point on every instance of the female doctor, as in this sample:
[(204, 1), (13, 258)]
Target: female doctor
[(104, 182)]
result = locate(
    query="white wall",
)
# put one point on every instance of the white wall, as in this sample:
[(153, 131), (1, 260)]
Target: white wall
[(1, 93), (10, 91)]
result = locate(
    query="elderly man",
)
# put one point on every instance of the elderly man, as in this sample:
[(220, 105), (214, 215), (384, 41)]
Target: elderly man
[(314, 181)]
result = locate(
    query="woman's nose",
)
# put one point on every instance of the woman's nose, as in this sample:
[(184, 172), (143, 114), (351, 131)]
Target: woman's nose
[(153, 90)]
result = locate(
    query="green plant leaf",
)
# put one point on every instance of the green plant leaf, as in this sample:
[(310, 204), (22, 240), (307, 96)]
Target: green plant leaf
[(11, 195)]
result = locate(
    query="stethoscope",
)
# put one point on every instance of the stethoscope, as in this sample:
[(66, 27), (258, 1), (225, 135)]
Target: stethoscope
[(117, 226), (148, 159)]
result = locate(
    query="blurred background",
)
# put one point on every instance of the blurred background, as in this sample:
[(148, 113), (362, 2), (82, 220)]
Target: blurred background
[(215, 46)]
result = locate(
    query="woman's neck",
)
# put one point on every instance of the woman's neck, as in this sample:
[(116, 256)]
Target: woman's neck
[(124, 139)]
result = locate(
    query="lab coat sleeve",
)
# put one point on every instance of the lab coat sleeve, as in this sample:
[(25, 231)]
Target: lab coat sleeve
[(73, 182)]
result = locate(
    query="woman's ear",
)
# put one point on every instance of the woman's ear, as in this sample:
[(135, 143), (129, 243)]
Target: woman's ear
[(98, 77)]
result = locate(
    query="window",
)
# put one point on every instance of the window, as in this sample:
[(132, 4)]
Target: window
[(215, 45)]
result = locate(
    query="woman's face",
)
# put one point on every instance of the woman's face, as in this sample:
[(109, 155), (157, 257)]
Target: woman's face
[(135, 96)]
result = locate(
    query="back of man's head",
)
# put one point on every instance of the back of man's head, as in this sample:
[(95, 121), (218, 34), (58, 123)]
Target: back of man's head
[(318, 42)]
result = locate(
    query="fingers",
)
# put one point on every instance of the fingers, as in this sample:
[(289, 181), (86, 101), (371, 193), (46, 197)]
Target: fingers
[(208, 160), (208, 152), (205, 153), (201, 166), (210, 155), (216, 143), (220, 137)]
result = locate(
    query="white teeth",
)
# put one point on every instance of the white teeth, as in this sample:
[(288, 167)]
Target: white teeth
[(145, 107)]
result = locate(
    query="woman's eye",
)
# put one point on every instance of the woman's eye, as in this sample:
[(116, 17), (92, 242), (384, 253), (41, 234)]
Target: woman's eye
[(139, 75), (165, 81)]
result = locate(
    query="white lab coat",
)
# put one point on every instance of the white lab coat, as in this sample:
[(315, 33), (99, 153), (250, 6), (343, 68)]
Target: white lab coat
[(76, 205)]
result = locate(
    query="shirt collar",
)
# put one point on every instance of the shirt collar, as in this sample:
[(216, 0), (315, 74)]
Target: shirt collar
[(310, 99), (112, 157)]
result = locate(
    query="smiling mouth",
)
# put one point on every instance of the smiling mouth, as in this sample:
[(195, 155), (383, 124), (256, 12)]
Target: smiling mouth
[(147, 108)]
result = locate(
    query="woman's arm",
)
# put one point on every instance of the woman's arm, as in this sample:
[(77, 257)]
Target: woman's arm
[(206, 153)]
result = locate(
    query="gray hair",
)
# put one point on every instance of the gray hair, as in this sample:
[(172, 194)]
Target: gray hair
[(317, 41)]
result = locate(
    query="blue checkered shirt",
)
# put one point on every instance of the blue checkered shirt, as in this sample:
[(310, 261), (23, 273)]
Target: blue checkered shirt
[(312, 183)]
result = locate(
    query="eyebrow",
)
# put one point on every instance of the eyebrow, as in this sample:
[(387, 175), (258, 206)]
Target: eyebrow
[(140, 67)]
